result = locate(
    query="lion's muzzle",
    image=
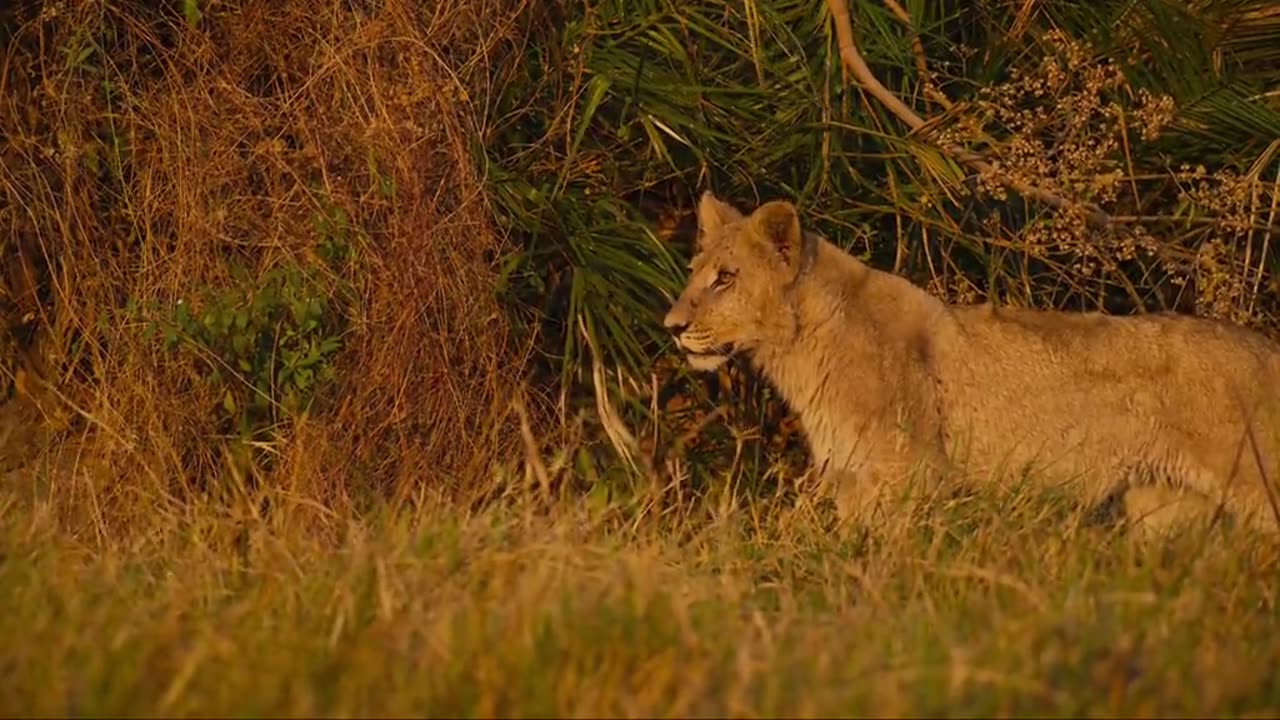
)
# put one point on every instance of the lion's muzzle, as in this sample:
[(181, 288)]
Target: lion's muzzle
[(700, 351)]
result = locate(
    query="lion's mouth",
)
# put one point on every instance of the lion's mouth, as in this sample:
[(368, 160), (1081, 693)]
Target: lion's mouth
[(710, 359), (721, 350)]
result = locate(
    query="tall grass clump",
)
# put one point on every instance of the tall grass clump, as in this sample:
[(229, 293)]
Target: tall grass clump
[(246, 247), (1002, 606)]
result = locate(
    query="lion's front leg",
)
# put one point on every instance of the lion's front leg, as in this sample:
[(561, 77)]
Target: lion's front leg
[(878, 493), (873, 498), (859, 496)]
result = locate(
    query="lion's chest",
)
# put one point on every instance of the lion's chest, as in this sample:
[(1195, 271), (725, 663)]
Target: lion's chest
[(848, 438)]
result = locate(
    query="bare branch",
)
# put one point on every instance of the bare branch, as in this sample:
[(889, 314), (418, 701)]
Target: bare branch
[(852, 59)]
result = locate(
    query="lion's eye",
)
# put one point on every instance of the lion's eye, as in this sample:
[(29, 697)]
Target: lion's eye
[(724, 278)]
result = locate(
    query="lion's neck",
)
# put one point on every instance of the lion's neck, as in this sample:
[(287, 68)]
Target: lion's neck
[(796, 355), (842, 348)]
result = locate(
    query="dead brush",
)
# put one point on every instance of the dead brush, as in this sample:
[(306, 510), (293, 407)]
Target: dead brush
[(145, 153)]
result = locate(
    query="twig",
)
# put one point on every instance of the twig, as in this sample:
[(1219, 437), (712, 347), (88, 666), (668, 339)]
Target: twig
[(1262, 475), (701, 425), (533, 457), (852, 59), (922, 63), (1266, 237), (620, 436)]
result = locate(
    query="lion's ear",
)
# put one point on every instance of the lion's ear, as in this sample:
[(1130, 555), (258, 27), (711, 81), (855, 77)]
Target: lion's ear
[(778, 222), (713, 215)]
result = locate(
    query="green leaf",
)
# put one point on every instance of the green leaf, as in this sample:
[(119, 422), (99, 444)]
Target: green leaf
[(191, 11)]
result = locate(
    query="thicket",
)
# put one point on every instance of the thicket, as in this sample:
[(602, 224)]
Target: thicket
[(249, 254), (343, 251)]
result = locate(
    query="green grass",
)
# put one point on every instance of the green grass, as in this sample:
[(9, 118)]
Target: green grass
[(998, 605)]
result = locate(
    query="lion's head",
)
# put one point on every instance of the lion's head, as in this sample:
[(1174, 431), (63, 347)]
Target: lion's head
[(735, 297)]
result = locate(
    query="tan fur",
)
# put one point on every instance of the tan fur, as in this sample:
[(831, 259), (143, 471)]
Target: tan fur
[(891, 383)]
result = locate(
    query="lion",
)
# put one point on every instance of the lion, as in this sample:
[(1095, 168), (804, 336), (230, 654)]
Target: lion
[(1162, 416)]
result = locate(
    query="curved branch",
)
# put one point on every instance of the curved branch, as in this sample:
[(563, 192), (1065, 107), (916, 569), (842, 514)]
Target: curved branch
[(852, 59)]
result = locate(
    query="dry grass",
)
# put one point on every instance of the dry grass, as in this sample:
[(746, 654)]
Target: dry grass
[(998, 605), (143, 157)]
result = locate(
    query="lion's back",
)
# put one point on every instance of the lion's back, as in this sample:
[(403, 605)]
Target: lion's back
[(1097, 386)]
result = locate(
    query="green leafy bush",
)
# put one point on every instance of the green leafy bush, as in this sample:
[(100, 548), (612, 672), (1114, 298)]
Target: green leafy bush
[(267, 343)]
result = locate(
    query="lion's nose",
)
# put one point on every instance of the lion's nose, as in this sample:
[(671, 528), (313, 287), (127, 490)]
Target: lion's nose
[(674, 325)]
